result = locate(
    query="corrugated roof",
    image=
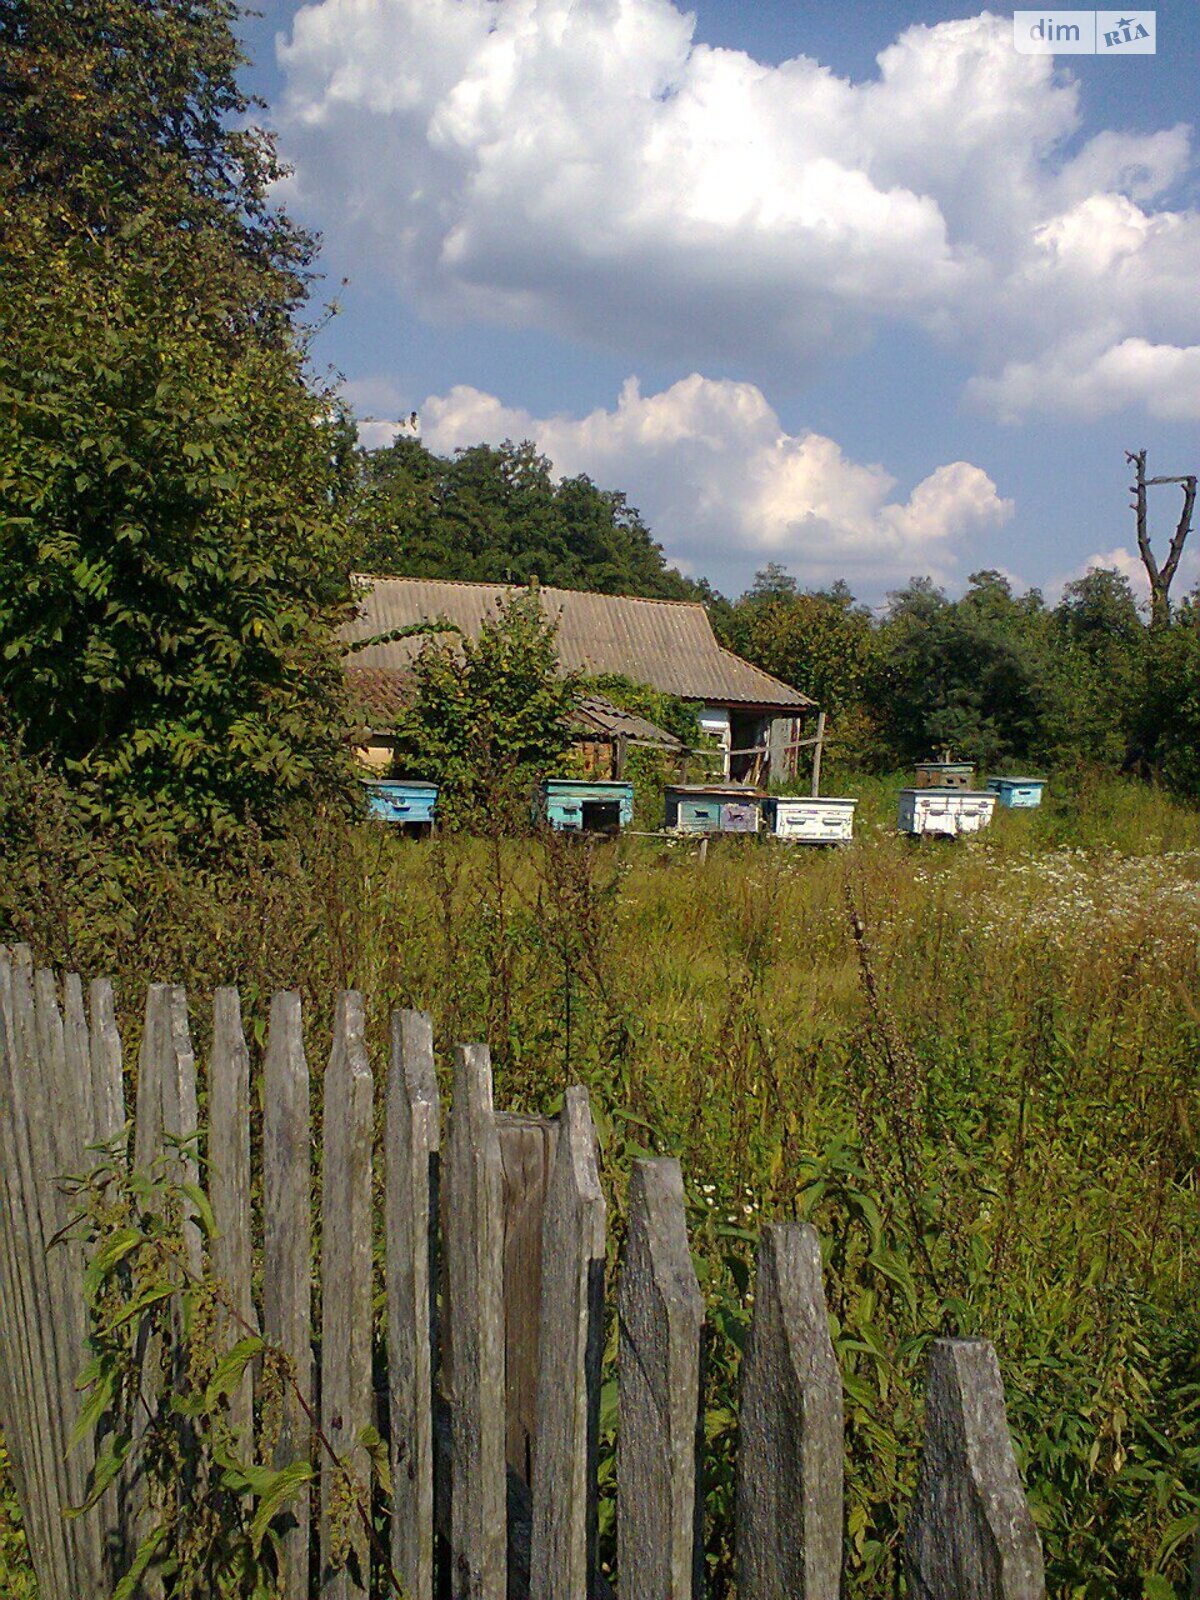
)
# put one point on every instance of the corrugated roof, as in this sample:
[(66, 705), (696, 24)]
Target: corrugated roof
[(668, 644), (596, 713)]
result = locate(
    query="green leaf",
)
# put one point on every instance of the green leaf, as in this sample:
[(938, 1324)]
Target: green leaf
[(204, 1211), (110, 1255), (284, 1484), (143, 1556), (374, 1446), (230, 1369), (107, 1465)]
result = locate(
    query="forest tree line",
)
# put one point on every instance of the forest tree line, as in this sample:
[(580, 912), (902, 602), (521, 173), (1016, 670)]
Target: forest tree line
[(997, 677), (183, 499)]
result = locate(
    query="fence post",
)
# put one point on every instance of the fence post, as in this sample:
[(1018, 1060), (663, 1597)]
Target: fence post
[(562, 1558), (229, 1185), (790, 1464), (413, 1140), (346, 1383), (287, 1247), (660, 1311), (969, 1532), (473, 1246)]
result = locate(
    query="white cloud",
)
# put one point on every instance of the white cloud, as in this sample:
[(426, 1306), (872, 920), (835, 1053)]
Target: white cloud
[(725, 488), (595, 170), (1069, 380)]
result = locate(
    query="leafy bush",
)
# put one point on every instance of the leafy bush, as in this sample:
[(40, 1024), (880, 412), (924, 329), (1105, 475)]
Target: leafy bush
[(486, 717)]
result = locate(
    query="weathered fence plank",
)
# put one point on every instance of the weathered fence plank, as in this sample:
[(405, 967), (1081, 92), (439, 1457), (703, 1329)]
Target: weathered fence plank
[(970, 1534), (661, 1313), (287, 1251), (790, 1458), (526, 1155), (108, 1080), (166, 1109), (563, 1541), (473, 1251), (413, 1141), (229, 1187), (78, 1051), (58, 1107), (29, 1339), (346, 1389)]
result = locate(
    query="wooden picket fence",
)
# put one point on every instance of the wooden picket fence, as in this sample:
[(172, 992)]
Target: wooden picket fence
[(494, 1261)]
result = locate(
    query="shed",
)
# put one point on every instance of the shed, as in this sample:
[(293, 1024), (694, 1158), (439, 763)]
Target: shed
[(755, 719)]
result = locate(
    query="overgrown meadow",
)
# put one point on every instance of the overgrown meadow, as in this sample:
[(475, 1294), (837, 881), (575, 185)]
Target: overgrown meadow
[(974, 1066)]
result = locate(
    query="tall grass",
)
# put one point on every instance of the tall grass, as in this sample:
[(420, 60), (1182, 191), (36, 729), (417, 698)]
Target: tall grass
[(973, 1065)]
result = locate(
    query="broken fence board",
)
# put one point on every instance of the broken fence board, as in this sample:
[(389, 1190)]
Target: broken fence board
[(526, 1155), (661, 1314), (790, 1458), (970, 1533)]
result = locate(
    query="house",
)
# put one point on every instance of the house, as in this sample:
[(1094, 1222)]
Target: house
[(754, 720)]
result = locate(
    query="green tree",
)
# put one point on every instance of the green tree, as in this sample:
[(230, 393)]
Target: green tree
[(821, 641), (497, 515), (489, 715), (1098, 642), (116, 111), (970, 674), (173, 558)]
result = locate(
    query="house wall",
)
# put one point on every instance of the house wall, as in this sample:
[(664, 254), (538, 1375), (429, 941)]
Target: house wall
[(377, 754)]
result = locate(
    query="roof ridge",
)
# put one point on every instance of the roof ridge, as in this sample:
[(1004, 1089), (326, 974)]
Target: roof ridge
[(558, 588)]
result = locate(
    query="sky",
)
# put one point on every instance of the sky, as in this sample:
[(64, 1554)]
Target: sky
[(858, 289)]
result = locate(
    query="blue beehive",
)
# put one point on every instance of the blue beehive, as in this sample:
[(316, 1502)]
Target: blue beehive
[(1018, 793), (577, 805), (409, 803), (712, 808)]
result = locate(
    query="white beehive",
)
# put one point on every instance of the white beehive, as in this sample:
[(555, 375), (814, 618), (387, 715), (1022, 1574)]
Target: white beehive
[(949, 812), (807, 821)]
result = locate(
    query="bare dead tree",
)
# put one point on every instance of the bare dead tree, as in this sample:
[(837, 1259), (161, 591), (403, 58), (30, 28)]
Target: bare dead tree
[(1160, 577)]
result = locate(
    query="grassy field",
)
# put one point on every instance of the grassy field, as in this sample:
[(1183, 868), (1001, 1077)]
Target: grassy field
[(988, 1102)]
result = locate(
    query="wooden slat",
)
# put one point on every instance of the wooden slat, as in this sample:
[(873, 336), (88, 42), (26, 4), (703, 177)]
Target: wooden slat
[(563, 1541), (29, 1335), (527, 1155), (181, 1116), (473, 1248), (790, 1457), (661, 1314), (287, 1252), (413, 1141), (229, 1187), (970, 1531), (57, 1107), (79, 1069), (108, 1081), (346, 1388)]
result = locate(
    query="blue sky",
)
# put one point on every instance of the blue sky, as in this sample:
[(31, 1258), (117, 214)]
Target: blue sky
[(863, 317)]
